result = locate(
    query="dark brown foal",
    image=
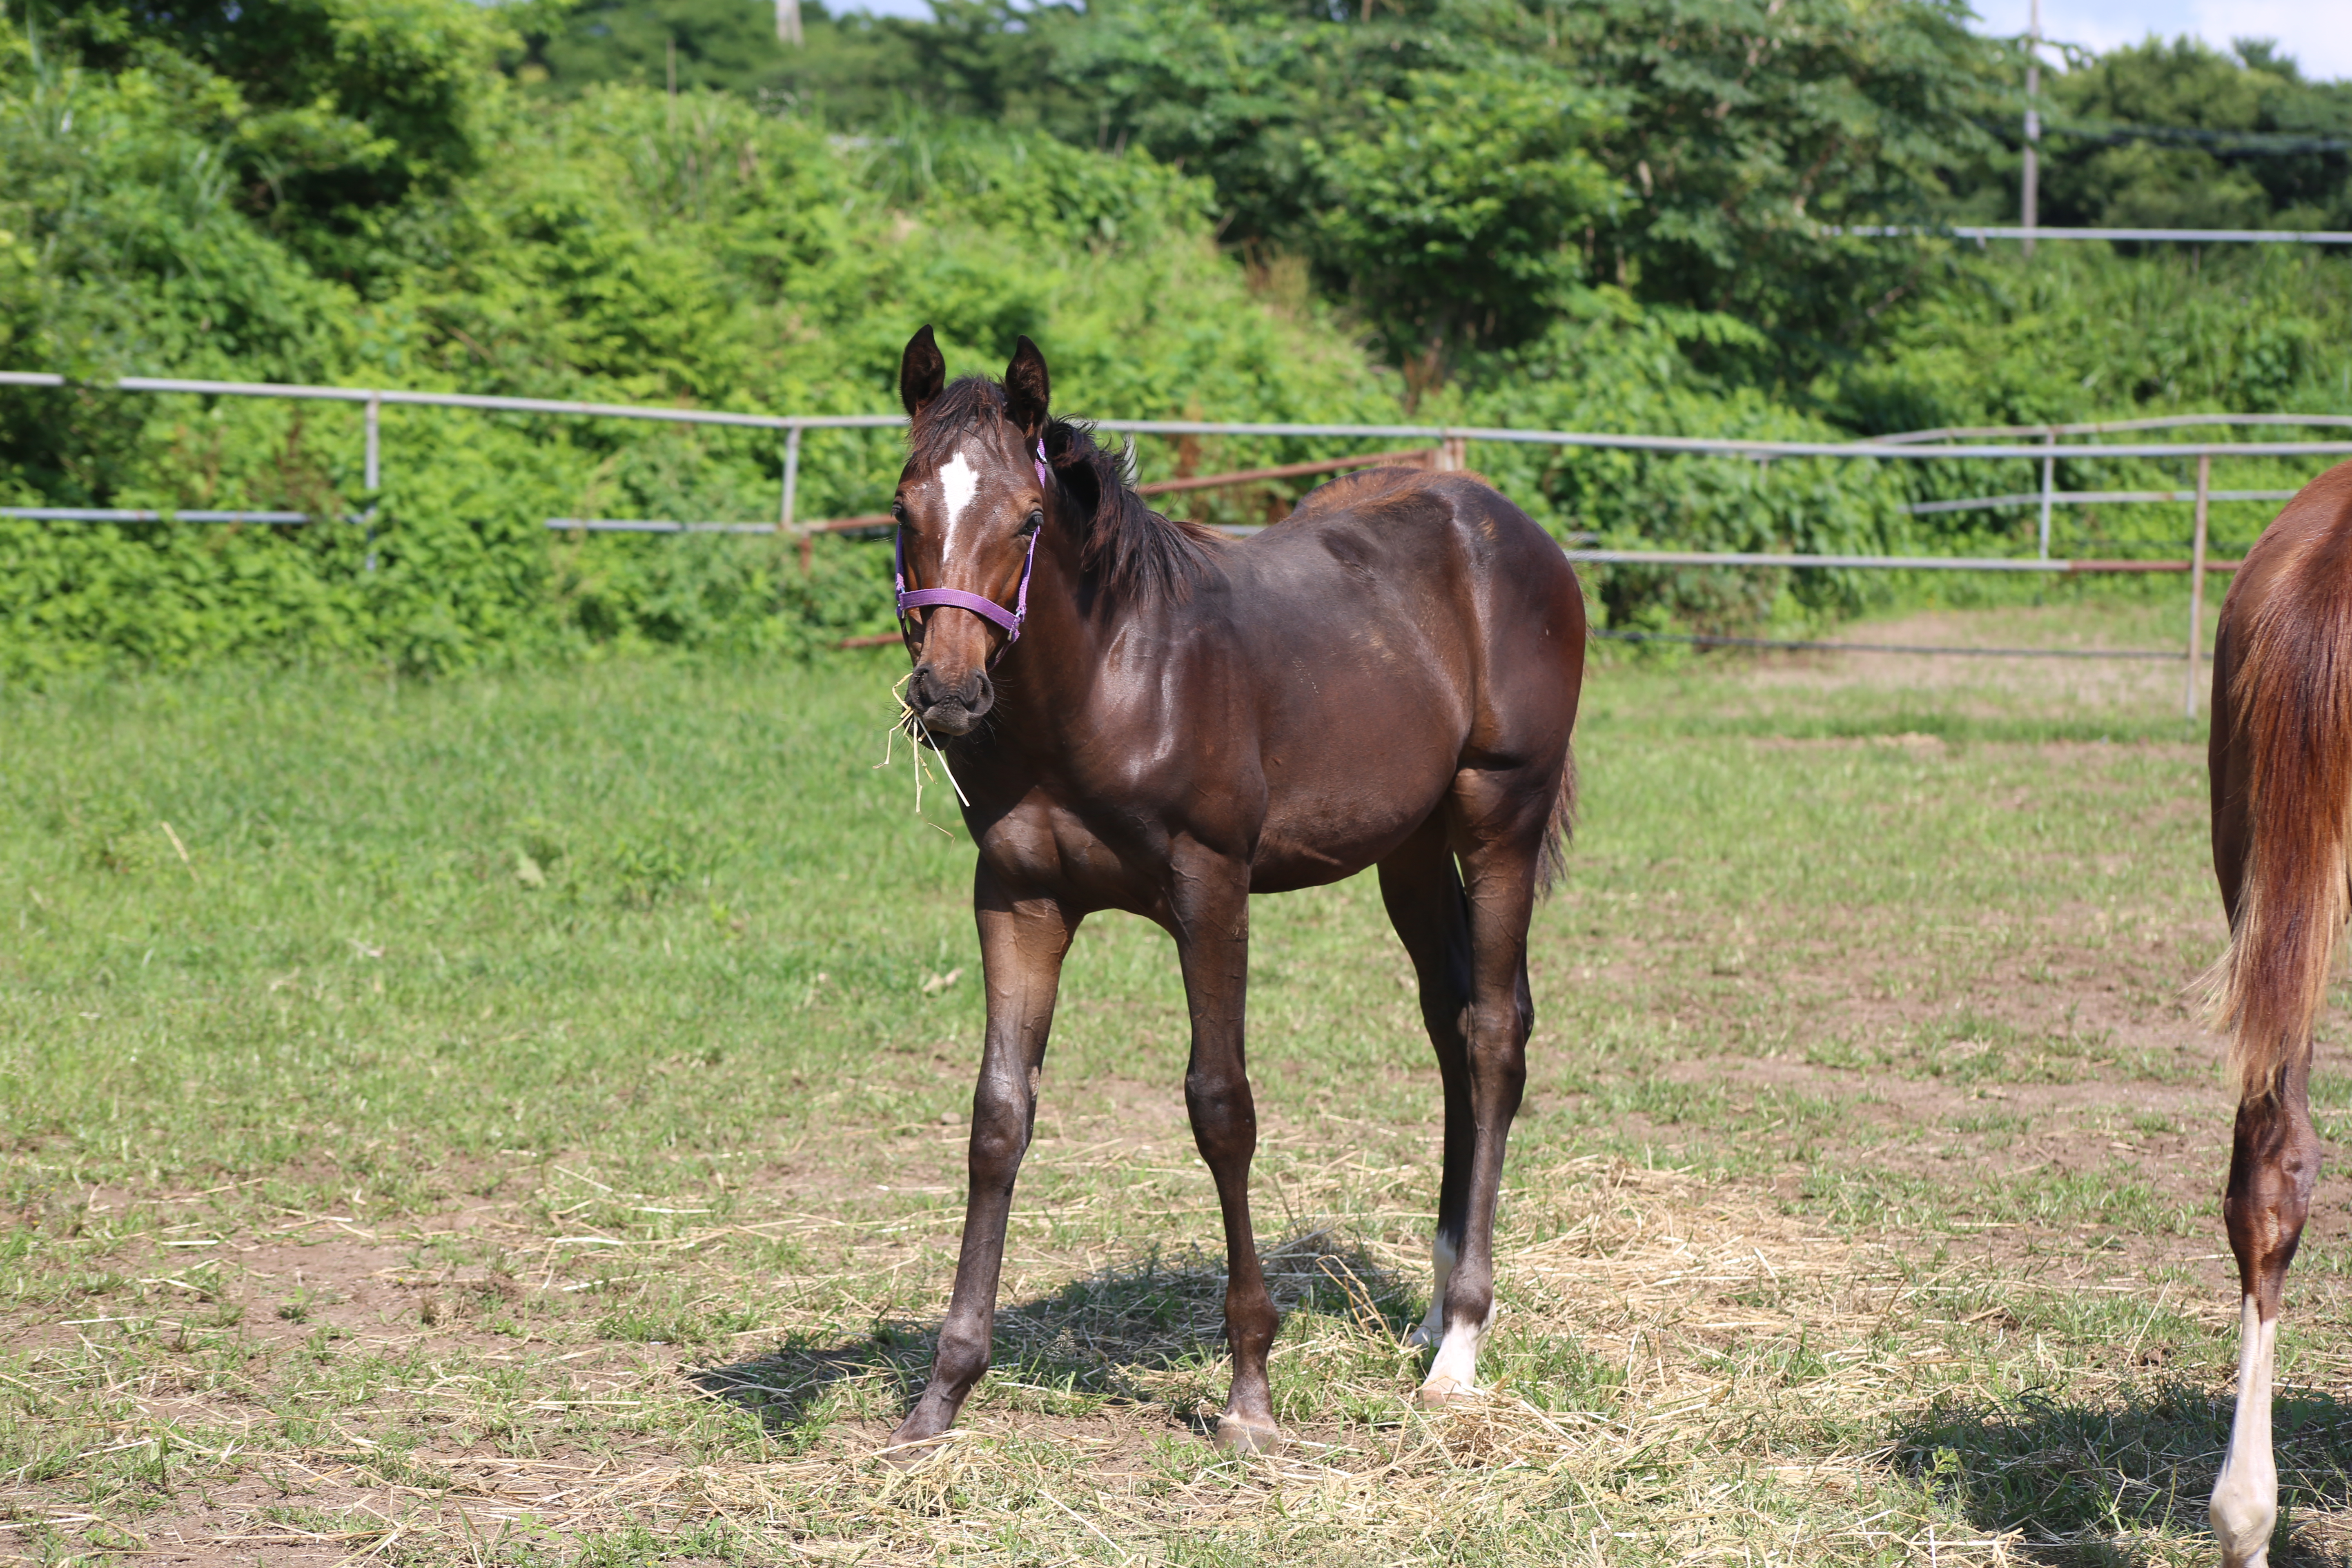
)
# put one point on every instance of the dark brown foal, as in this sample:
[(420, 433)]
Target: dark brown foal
[(2281, 764), (1144, 716)]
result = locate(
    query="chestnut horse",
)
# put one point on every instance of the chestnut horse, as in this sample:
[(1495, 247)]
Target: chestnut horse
[(1144, 716), (2281, 766)]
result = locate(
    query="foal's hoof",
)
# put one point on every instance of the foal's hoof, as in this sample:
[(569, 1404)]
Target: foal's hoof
[(1236, 1435), (905, 1452), (1445, 1394)]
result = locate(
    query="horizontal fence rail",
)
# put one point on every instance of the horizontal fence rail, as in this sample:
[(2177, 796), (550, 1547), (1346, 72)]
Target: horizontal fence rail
[(2102, 427), (1981, 232), (135, 514), (1878, 562), (655, 525), (2086, 498)]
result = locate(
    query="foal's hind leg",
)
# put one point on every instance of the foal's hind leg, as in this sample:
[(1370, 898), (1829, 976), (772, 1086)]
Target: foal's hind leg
[(1496, 824), (1422, 891)]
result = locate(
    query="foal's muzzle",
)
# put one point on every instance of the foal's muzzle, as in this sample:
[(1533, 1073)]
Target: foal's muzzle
[(950, 706)]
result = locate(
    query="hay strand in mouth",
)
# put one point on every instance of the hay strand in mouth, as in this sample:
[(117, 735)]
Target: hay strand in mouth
[(910, 724)]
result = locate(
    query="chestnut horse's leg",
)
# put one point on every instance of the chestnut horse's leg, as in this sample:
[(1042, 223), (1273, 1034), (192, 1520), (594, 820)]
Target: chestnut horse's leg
[(2274, 1167), (2273, 1164), (1022, 944), (1498, 821), (1422, 891), (1209, 919)]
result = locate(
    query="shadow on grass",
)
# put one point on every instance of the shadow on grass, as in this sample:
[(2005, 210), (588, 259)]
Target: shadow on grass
[(1114, 1335), (2104, 1484)]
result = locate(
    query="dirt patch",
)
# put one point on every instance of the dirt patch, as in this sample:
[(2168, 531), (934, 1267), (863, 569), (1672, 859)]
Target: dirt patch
[(2121, 686)]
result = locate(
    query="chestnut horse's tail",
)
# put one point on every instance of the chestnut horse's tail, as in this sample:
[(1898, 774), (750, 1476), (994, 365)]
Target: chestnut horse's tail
[(2289, 707)]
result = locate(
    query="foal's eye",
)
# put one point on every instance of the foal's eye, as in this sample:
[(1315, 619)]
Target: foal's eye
[(1036, 521), (899, 511)]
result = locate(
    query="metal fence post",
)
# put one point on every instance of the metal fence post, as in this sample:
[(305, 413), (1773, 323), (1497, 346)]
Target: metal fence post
[(791, 488), (2049, 484), (2029, 196), (373, 473), (2197, 579)]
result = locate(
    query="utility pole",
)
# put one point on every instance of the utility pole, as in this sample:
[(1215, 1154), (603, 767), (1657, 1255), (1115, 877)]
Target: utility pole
[(788, 23), (2029, 200)]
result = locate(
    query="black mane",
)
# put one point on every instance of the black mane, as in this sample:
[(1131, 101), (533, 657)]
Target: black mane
[(1132, 551)]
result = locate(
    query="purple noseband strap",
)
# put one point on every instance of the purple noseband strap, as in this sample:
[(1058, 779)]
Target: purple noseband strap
[(956, 598)]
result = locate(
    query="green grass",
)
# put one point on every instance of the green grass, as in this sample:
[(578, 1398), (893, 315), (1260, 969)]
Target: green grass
[(558, 1074)]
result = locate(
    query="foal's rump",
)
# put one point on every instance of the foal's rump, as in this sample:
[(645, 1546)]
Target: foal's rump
[(1401, 628), (2281, 759)]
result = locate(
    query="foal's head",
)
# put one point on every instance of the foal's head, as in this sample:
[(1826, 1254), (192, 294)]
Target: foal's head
[(990, 469), (970, 501)]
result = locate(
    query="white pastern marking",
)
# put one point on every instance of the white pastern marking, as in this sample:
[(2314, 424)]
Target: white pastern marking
[(2245, 1500), (1456, 1368), (958, 482), (1441, 1268)]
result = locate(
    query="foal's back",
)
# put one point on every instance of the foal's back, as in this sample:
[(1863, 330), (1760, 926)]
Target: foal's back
[(1397, 629)]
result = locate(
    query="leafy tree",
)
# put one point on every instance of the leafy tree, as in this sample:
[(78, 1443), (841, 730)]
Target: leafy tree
[(1453, 212), (1689, 149), (326, 116), (2181, 135), (984, 59), (1750, 125)]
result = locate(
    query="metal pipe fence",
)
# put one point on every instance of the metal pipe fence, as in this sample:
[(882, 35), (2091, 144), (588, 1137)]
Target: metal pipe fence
[(1982, 232), (136, 514), (1954, 444)]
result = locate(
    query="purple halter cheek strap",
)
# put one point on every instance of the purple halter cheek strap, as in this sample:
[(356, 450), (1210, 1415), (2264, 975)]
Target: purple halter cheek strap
[(956, 598)]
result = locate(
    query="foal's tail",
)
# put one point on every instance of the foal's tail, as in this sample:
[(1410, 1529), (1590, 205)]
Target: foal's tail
[(2291, 705), (1553, 863)]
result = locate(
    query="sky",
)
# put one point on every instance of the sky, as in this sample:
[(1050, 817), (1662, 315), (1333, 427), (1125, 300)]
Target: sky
[(2317, 33)]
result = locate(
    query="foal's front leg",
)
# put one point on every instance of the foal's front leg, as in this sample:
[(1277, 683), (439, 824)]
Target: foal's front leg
[(1022, 944), (1211, 921)]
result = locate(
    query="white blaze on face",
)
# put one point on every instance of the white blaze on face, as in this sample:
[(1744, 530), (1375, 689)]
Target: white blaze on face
[(958, 482)]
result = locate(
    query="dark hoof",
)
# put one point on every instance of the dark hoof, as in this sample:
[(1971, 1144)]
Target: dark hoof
[(906, 1449), (1238, 1435)]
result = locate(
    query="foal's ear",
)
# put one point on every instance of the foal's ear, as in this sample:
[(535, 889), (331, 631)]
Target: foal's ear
[(1028, 390), (922, 371)]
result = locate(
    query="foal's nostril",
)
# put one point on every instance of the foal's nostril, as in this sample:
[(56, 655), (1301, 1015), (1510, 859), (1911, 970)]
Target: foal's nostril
[(973, 693)]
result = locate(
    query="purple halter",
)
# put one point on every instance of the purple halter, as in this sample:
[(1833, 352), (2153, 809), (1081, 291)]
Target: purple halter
[(956, 598)]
